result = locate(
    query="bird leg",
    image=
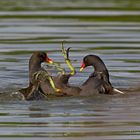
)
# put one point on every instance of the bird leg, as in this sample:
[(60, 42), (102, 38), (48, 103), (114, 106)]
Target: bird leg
[(54, 65), (53, 84), (59, 68), (67, 60), (46, 74)]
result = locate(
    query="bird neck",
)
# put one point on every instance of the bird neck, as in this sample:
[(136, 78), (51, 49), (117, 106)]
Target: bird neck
[(99, 66), (34, 66), (100, 69)]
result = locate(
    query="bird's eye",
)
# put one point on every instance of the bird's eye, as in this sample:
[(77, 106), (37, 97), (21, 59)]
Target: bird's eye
[(43, 56)]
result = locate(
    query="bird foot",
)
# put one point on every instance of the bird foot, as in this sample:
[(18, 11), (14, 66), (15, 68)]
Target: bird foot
[(67, 60), (58, 90)]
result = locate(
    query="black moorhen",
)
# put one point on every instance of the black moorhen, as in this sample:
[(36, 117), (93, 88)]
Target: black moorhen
[(98, 81), (35, 63), (36, 78)]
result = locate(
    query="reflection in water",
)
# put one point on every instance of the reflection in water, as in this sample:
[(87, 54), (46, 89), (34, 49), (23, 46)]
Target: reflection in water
[(110, 30)]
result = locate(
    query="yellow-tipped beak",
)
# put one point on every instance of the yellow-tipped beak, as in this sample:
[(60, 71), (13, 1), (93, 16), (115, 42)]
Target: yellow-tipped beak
[(49, 60), (81, 69)]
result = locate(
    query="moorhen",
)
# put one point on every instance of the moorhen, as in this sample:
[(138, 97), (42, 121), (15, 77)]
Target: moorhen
[(37, 76), (98, 81)]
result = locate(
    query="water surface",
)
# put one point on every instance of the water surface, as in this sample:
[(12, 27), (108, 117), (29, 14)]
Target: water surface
[(109, 30)]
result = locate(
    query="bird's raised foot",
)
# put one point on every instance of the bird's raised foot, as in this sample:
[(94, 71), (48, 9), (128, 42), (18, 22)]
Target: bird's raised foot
[(65, 53)]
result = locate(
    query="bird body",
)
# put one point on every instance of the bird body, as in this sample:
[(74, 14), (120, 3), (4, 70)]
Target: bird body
[(98, 81), (41, 84)]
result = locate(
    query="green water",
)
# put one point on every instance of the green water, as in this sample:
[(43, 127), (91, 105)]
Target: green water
[(107, 28)]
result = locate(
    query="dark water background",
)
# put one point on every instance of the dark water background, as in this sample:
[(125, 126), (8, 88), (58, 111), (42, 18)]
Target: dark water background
[(107, 28)]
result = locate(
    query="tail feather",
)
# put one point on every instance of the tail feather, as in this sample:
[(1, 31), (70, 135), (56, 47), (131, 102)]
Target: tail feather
[(117, 91)]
